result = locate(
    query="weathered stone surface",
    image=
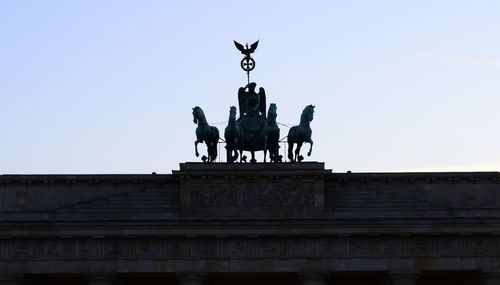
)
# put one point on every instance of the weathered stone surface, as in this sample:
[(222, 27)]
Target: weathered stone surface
[(233, 218), (213, 247), (30, 193), (252, 190)]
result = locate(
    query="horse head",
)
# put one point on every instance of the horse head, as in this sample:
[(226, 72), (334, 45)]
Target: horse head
[(232, 113), (271, 112), (197, 114), (307, 114)]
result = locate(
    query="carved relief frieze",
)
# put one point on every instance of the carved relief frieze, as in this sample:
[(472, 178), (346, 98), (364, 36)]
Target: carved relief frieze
[(248, 247), (236, 248), (447, 246), (54, 249), (270, 248), (177, 247), (391, 247), (113, 249), (205, 248), (360, 246), (333, 246), (295, 247), (252, 194), (419, 246), (145, 249), (86, 248), (21, 249), (481, 246)]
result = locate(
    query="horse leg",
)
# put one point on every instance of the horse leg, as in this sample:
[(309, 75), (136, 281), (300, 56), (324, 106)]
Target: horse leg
[(209, 151), (271, 154), (229, 154), (290, 151), (276, 152), (235, 157), (265, 151), (214, 150), (310, 147), (270, 150), (297, 151), (232, 153), (196, 142)]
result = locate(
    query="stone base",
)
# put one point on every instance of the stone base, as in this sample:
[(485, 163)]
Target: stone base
[(252, 190)]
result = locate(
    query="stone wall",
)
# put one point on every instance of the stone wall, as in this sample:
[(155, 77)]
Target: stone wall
[(414, 194), (222, 218), (265, 190), (46, 193)]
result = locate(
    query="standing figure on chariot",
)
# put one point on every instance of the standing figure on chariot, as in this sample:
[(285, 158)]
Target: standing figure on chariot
[(252, 104)]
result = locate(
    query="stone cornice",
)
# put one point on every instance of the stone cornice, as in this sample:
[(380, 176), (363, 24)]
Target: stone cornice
[(293, 251), (409, 177), (328, 175), (49, 179)]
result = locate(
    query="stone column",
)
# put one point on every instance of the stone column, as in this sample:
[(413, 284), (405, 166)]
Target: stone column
[(10, 279), (191, 278), (312, 278), (491, 278), (99, 279), (404, 278)]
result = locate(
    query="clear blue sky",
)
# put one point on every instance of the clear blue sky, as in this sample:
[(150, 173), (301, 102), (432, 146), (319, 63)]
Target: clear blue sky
[(108, 86)]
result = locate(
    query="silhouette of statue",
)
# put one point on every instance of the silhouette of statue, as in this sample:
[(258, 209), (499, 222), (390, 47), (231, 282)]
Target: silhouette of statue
[(205, 133), (246, 50), (301, 134), (250, 102), (247, 63)]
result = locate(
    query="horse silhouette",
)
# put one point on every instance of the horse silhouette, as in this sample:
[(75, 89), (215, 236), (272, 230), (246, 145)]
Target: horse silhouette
[(273, 134), (205, 133), (301, 134), (232, 134)]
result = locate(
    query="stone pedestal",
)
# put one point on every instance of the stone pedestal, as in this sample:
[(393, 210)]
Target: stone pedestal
[(252, 190)]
